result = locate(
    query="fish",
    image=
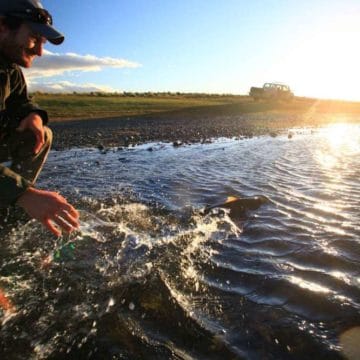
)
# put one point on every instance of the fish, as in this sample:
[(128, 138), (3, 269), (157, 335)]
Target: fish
[(239, 206), (349, 342)]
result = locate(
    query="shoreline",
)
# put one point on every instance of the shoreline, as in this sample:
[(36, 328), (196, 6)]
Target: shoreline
[(191, 125)]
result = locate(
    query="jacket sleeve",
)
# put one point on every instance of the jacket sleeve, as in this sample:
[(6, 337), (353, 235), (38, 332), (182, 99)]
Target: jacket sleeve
[(12, 186), (18, 104)]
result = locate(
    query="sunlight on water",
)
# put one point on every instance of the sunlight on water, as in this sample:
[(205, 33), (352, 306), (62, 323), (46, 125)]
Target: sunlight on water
[(327, 207), (341, 276), (308, 285), (343, 137), (340, 140), (150, 270)]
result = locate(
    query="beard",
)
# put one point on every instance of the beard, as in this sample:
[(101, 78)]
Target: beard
[(15, 52)]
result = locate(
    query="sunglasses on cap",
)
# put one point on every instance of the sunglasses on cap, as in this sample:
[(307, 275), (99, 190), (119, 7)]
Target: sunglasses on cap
[(36, 15)]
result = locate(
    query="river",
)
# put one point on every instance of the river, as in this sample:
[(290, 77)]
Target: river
[(151, 275)]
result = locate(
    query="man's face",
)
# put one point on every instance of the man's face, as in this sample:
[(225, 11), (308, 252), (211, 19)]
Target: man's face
[(21, 46)]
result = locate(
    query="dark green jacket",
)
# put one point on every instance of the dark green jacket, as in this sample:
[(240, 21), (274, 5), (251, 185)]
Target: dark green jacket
[(15, 104)]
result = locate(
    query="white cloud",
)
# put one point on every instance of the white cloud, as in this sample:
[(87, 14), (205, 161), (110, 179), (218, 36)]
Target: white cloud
[(53, 64), (68, 87)]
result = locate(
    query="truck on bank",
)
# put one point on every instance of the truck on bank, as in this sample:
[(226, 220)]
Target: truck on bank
[(271, 91)]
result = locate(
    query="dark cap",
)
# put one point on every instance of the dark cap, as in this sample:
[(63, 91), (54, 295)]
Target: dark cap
[(33, 13)]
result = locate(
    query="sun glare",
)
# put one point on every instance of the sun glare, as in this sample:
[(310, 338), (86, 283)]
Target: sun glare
[(324, 63), (344, 137), (340, 140)]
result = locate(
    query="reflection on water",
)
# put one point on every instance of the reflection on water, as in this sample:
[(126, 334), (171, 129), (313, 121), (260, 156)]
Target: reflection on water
[(342, 139), (151, 275)]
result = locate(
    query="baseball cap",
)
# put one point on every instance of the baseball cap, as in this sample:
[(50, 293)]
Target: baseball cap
[(33, 13)]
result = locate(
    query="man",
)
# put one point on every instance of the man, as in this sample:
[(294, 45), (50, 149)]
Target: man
[(25, 141)]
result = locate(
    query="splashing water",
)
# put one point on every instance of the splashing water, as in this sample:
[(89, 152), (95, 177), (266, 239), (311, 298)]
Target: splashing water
[(150, 274)]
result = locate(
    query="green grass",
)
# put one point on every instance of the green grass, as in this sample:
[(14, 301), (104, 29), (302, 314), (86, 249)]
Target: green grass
[(72, 106), (94, 105)]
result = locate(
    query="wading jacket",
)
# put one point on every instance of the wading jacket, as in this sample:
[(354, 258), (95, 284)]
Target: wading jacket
[(15, 104)]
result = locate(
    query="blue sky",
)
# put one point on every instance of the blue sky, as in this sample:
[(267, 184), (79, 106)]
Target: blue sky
[(212, 46)]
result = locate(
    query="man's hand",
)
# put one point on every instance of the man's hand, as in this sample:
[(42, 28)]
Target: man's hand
[(51, 209), (34, 123)]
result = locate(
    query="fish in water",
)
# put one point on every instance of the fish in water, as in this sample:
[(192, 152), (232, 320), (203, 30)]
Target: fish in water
[(239, 206)]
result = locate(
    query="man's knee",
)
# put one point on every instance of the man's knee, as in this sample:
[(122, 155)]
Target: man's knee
[(30, 138), (22, 144)]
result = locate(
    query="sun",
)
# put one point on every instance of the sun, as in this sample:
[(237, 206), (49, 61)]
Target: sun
[(324, 61)]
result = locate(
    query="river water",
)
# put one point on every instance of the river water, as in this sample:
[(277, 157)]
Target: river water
[(151, 275)]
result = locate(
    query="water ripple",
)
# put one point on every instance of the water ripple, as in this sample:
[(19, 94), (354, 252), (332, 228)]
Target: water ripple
[(150, 272)]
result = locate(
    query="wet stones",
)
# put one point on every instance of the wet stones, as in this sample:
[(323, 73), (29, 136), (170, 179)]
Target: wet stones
[(177, 143)]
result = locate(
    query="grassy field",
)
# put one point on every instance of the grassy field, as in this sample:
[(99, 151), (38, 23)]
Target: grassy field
[(74, 106), (85, 106)]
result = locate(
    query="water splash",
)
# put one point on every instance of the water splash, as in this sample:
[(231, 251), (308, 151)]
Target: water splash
[(148, 271)]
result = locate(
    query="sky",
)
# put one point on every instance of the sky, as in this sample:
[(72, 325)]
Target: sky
[(202, 46)]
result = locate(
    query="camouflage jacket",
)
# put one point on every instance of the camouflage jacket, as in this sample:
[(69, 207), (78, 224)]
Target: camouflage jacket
[(15, 104)]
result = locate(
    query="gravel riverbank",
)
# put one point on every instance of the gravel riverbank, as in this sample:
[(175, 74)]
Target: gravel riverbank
[(186, 126)]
